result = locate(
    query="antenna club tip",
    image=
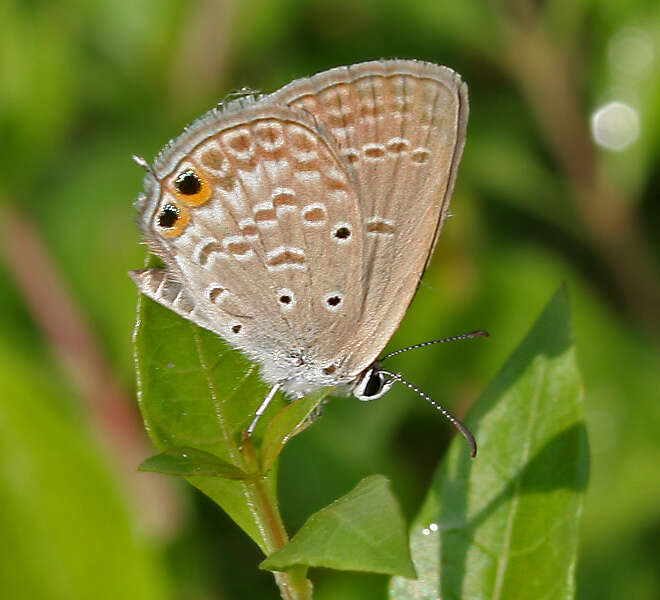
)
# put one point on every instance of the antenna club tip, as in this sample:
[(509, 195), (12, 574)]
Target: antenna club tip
[(470, 438), (481, 333)]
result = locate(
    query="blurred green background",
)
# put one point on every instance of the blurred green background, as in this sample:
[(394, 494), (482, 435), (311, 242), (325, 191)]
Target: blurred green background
[(558, 184)]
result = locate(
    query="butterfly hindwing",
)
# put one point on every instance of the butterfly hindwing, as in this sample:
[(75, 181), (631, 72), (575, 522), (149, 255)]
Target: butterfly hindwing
[(400, 127)]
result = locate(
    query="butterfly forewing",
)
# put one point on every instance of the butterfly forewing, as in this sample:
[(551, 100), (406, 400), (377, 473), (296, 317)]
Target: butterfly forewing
[(400, 128), (269, 245)]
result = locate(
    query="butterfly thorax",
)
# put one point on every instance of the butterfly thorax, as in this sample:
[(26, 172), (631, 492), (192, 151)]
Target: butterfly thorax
[(299, 374)]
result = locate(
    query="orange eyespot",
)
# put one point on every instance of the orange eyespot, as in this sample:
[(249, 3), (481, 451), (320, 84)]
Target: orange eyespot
[(191, 188), (171, 220)]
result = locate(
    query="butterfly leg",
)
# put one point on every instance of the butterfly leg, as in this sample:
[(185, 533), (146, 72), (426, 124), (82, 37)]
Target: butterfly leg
[(262, 407)]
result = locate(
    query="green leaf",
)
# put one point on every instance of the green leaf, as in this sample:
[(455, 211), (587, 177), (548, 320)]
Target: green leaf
[(195, 391), (506, 524), (187, 462), (67, 530), (361, 531), (290, 421)]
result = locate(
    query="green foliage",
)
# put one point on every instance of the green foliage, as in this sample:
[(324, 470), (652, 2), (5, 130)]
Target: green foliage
[(507, 521), (506, 524), (66, 531), (196, 392), (290, 421), (85, 83), (188, 462), (361, 531)]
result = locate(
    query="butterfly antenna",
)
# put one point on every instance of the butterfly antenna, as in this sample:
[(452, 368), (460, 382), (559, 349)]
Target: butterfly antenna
[(467, 434), (454, 338)]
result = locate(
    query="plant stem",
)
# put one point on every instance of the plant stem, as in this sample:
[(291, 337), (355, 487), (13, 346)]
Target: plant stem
[(293, 584)]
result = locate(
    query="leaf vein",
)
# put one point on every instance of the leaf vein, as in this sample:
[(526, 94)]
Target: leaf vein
[(503, 561)]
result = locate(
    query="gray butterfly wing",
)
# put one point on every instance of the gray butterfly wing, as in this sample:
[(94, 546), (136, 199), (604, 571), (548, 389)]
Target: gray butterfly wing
[(258, 221), (400, 125)]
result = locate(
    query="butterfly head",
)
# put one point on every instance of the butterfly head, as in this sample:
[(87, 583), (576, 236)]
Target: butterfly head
[(376, 381), (372, 383)]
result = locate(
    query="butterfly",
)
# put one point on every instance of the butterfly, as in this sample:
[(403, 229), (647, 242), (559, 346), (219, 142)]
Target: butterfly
[(297, 225)]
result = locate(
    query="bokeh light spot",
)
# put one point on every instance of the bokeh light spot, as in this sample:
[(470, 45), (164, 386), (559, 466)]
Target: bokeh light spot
[(615, 126)]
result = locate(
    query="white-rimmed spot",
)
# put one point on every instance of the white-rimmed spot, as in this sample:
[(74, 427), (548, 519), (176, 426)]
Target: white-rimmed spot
[(397, 145), (270, 136), (215, 293), (284, 199), (239, 143), (420, 155), (342, 233), (334, 179), (373, 151), (238, 247), (248, 228), (379, 226), (215, 160), (314, 215), (351, 155), (301, 139), (206, 250), (286, 299), (333, 301), (286, 257), (264, 214)]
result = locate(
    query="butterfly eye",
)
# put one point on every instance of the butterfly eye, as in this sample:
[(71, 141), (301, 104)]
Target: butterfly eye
[(172, 220), (371, 385), (191, 188), (374, 385)]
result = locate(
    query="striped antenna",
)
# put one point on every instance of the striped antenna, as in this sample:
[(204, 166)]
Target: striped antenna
[(467, 434), (454, 338)]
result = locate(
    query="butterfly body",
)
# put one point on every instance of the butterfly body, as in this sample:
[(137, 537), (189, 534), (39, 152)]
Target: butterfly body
[(297, 225)]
